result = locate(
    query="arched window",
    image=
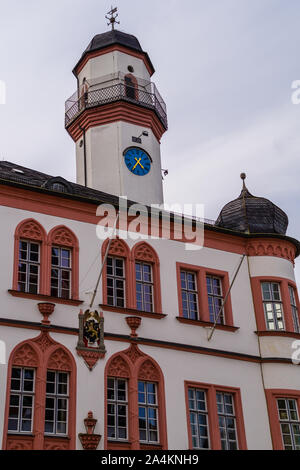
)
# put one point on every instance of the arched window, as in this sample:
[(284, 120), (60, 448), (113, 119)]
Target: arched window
[(63, 250), (131, 87), (29, 257), (116, 274), (135, 415), (146, 278), (41, 397)]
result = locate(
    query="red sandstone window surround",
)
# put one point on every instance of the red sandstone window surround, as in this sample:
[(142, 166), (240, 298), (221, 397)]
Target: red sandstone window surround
[(211, 287), (141, 421), (284, 413), (30, 366), (118, 250), (29, 232), (144, 254), (289, 309), (45, 265), (214, 417)]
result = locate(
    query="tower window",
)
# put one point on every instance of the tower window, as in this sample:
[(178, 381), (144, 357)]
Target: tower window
[(130, 69), (129, 88)]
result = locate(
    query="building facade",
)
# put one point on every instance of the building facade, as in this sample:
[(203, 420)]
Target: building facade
[(182, 349)]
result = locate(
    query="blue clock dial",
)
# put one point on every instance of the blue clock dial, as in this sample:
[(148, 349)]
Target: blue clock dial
[(137, 161)]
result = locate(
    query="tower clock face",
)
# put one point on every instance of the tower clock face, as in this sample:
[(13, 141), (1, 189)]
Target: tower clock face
[(137, 161)]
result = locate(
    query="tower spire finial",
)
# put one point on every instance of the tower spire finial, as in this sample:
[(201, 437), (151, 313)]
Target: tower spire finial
[(243, 177), (112, 18)]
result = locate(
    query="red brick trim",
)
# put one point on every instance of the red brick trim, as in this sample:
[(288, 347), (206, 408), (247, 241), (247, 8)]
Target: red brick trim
[(286, 334), (271, 247), (201, 273), (41, 353), (118, 249), (64, 237), (271, 396), (207, 324), (30, 230), (285, 298), (132, 311), (70, 208), (44, 298), (112, 112), (215, 440)]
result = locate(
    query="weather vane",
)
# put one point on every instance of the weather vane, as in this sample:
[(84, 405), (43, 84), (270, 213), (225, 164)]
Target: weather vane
[(112, 19)]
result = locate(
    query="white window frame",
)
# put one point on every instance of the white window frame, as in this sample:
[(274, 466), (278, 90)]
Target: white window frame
[(221, 317), (116, 278), (117, 402), (28, 263), (61, 268), (143, 283), (147, 406), (224, 414), (197, 412), (56, 396), (21, 393), (289, 421), (189, 291)]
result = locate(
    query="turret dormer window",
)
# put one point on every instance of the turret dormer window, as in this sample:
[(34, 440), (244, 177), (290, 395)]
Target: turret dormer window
[(294, 308), (272, 305)]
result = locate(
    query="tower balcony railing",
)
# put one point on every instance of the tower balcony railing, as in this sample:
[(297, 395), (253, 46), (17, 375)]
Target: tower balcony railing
[(92, 94)]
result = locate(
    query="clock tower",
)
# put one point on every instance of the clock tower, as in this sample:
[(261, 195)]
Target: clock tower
[(117, 118)]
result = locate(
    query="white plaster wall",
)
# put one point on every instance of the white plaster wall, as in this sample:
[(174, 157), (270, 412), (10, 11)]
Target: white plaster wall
[(284, 376), (168, 329), (106, 169), (271, 266), (277, 346), (113, 62), (177, 367)]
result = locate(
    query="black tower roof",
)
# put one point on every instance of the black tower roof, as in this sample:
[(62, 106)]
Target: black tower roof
[(109, 38), (251, 214)]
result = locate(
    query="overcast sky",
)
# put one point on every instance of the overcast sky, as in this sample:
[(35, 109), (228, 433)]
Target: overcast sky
[(224, 68)]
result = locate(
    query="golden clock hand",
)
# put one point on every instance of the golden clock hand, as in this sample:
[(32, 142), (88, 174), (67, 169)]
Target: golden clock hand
[(138, 162)]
